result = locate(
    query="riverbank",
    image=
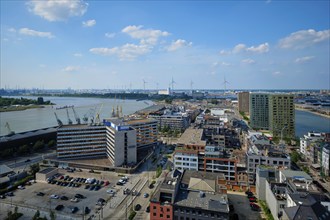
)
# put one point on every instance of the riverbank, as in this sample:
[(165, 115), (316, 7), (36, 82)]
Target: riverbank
[(19, 108), (311, 111)]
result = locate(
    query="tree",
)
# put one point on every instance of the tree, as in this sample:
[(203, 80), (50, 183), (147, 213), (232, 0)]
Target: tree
[(38, 145), (40, 101), (214, 101), (51, 143), (34, 168), (36, 215), (52, 215), (295, 156), (23, 149)]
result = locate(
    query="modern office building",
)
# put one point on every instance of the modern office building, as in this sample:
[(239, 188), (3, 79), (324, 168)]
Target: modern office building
[(81, 141), (244, 102), (121, 143), (282, 115), (146, 132), (259, 110), (112, 139)]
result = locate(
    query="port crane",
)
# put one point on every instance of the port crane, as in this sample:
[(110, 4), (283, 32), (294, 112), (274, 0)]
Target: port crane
[(76, 115), (10, 132), (69, 120), (97, 116), (59, 122)]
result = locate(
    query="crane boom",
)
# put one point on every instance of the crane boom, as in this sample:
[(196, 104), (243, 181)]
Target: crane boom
[(69, 120), (97, 116), (76, 115), (10, 132), (59, 122)]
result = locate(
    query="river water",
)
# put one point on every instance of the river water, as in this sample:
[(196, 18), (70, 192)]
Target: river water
[(37, 118), (32, 119)]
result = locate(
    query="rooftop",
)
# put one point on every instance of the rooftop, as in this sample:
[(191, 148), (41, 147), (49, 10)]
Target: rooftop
[(202, 200), (47, 170), (192, 137), (296, 174), (140, 121), (4, 169)]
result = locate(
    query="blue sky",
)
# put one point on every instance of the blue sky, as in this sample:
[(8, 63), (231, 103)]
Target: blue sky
[(117, 44)]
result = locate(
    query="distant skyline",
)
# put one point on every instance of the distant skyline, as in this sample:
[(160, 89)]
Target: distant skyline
[(120, 44)]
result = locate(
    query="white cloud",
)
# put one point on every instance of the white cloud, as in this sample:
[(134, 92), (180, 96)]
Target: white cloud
[(248, 61), (30, 32), (276, 73), (304, 59), (71, 68), (77, 55), (239, 48), (262, 48), (42, 65), (110, 35), (146, 36), (304, 38), (58, 10), (224, 52), (125, 52), (89, 23), (13, 30), (216, 64), (175, 45)]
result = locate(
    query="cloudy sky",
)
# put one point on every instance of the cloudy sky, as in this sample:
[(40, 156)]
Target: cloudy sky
[(116, 44)]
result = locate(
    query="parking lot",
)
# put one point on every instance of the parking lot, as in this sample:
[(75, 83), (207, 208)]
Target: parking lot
[(28, 197), (242, 206)]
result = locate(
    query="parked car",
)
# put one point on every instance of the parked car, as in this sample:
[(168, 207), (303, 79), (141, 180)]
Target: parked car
[(64, 198), (40, 194), (100, 201), (79, 196), (119, 183), (2, 196), (148, 209), (74, 209), (54, 196), (254, 207), (9, 194), (106, 183), (87, 210), (145, 195), (111, 191), (74, 200), (59, 207), (28, 160), (253, 199), (97, 188), (137, 207)]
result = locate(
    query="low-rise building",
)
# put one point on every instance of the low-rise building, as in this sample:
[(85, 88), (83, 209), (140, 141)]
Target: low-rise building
[(265, 155), (192, 195)]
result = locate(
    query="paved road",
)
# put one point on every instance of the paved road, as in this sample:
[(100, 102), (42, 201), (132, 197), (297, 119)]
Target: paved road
[(22, 162)]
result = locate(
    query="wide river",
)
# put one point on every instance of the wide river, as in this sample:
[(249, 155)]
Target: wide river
[(32, 119), (37, 118)]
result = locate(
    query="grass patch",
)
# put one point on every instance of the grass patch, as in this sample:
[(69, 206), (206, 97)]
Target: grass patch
[(266, 210), (132, 215)]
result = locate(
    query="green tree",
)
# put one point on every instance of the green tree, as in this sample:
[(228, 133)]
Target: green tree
[(51, 143), (40, 101), (34, 168), (23, 150), (52, 215), (36, 215), (214, 101), (38, 145), (295, 156)]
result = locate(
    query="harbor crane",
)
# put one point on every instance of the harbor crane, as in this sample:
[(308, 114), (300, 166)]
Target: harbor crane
[(76, 116), (69, 120), (59, 122), (10, 132), (97, 116)]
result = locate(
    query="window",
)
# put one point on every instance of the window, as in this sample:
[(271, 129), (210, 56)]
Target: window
[(161, 215), (167, 209), (167, 216), (154, 214)]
